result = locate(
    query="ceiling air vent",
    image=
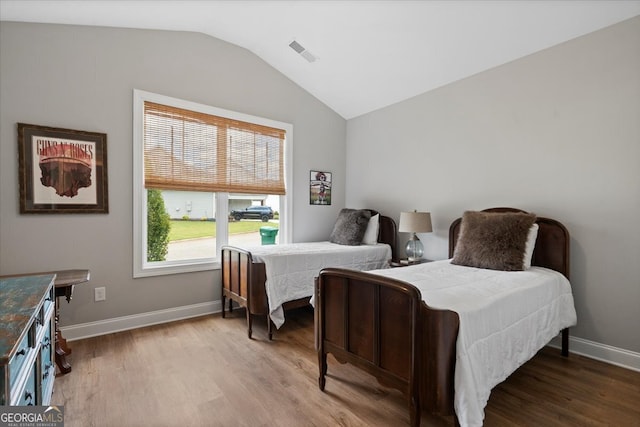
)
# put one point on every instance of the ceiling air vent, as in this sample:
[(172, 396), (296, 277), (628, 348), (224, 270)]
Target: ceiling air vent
[(302, 51)]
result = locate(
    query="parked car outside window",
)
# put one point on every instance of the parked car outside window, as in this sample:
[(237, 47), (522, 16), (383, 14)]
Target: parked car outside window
[(265, 213)]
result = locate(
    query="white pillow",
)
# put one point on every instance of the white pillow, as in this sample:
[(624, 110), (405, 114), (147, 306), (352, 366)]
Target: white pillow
[(371, 234), (530, 245)]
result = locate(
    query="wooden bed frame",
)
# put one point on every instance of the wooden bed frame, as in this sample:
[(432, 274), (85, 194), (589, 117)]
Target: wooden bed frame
[(393, 335), (243, 280)]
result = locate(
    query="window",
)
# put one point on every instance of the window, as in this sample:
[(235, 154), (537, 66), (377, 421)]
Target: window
[(203, 163)]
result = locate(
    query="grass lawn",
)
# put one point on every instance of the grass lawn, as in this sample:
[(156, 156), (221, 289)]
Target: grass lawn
[(181, 230)]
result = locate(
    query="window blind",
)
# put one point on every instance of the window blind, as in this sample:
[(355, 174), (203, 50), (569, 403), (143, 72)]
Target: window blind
[(194, 151)]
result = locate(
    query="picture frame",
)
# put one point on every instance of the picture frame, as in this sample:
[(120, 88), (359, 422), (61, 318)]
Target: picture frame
[(320, 188), (62, 170)]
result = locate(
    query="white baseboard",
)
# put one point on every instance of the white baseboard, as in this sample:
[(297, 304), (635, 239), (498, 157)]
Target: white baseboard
[(605, 353), (125, 323)]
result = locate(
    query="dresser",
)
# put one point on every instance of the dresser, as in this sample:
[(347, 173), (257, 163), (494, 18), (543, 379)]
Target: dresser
[(27, 340)]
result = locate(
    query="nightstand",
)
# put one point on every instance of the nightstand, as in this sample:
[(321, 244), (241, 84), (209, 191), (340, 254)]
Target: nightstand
[(403, 262)]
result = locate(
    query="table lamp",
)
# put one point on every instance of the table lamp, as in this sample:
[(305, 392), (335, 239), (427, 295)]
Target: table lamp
[(415, 222)]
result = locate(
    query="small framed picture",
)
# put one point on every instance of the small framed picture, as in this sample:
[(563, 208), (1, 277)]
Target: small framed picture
[(62, 170), (320, 188)]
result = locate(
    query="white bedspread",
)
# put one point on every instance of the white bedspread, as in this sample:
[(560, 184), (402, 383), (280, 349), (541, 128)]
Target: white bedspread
[(291, 268), (505, 318)]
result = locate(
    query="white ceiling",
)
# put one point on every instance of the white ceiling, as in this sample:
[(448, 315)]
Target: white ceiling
[(370, 54)]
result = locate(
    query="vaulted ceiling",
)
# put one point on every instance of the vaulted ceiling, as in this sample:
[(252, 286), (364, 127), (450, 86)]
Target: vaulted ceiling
[(365, 54)]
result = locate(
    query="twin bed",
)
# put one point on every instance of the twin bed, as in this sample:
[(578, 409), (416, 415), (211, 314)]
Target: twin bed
[(444, 333), (292, 268)]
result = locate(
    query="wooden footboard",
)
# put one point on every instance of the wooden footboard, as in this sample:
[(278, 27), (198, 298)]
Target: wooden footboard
[(243, 281), (382, 326)]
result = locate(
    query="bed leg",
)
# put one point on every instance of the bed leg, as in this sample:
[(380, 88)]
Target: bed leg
[(414, 412), (223, 302), (565, 342), (249, 325), (230, 305), (322, 364), (269, 328)]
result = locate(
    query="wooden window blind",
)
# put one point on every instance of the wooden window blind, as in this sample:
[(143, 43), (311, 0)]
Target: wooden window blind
[(194, 151)]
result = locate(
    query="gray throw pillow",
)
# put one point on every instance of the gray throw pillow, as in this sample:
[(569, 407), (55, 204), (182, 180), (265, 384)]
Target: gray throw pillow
[(350, 227), (493, 240)]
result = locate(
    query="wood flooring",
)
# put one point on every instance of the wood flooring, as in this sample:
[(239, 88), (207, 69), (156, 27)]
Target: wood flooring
[(206, 372)]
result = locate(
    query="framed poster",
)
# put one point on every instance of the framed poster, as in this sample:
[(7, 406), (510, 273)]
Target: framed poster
[(62, 170), (320, 188)]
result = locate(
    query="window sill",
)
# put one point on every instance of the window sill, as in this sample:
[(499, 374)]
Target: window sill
[(176, 267)]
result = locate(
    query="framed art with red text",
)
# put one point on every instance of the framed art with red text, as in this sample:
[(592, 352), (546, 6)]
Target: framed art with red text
[(62, 170)]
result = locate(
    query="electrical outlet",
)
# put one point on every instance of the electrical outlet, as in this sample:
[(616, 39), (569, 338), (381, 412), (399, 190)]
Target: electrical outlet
[(100, 294)]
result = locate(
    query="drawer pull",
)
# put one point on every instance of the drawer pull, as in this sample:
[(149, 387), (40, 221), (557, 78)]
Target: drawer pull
[(22, 352), (28, 396)]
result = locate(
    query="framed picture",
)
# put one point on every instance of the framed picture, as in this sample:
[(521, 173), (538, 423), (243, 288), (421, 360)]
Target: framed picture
[(62, 170), (320, 188)]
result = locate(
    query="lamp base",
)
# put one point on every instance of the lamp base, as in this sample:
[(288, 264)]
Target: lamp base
[(414, 248)]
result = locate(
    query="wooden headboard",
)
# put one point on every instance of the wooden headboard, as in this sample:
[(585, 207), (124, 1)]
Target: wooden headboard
[(552, 245), (388, 233)]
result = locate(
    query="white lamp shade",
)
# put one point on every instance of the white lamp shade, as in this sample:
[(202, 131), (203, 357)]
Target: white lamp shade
[(415, 222)]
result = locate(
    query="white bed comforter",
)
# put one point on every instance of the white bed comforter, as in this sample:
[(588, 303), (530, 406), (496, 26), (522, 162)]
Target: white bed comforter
[(505, 318), (291, 268)]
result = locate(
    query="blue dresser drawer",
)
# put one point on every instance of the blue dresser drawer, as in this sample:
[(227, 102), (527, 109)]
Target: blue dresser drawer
[(28, 396), (46, 353), (21, 356), (47, 366), (49, 300)]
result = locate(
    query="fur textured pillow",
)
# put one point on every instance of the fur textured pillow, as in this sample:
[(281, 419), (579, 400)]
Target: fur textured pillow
[(350, 227), (493, 240)]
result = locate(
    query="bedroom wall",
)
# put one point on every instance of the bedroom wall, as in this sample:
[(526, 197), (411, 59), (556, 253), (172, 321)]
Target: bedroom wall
[(556, 133), (83, 78)]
